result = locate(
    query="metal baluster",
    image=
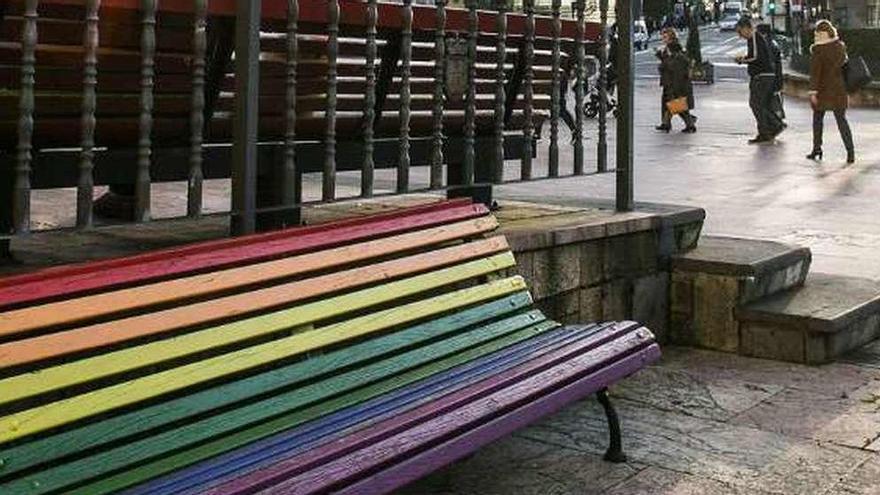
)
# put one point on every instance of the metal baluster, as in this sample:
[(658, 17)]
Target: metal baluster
[(528, 90), (555, 91), (470, 112), (21, 199), (329, 187), (289, 191), (403, 161), (579, 89), (602, 143), (369, 166), (86, 183), (439, 76), (500, 94), (148, 50), (197, 116)]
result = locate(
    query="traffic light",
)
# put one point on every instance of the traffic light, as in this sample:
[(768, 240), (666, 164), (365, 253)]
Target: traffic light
[(771, 7)]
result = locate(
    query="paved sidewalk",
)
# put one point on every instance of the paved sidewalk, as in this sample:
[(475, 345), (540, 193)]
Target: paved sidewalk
[(768, 191), (698, 423)]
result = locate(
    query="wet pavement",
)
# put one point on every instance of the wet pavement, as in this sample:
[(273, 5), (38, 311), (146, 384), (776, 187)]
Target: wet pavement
[(698, 423)]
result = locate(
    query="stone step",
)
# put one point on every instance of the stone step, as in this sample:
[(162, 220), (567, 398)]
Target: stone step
[(765, 267), (721, 274), (828, 317)]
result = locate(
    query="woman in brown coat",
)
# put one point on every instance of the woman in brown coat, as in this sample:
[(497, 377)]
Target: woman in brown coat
[(828, 89)]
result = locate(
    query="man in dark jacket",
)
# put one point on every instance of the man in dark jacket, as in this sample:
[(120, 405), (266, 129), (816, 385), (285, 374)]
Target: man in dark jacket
[(776, 53), (762, 85)]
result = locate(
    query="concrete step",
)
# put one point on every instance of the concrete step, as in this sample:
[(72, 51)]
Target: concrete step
[(828, 317), (721, 274), (764, 267)]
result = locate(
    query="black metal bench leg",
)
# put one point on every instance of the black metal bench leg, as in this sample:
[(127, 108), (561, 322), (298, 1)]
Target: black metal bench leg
[(615, 446)]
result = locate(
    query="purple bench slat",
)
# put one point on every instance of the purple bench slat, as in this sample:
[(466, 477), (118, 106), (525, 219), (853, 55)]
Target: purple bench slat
[(238, 463), (571, 357), (417, 466)]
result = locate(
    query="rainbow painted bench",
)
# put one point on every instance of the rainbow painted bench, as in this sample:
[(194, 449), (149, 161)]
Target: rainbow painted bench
[(354, 356)]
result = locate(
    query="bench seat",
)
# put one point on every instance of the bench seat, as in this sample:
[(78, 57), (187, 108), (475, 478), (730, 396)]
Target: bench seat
[(354, 356)]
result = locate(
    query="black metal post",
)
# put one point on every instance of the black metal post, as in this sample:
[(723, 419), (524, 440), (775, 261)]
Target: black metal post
[(602, 145), (247, 89), (626, 100)]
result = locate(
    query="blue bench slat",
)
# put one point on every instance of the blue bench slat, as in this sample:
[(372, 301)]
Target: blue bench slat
[(328, 428), (417, 466)]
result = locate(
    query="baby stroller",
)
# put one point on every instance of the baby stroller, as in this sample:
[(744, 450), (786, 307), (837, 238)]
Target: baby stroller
[(591, 106)]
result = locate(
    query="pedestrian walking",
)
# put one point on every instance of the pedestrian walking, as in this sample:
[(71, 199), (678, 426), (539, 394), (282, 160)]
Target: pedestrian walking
[(762, 83), (677, 96), (828, 88), (777, 101)]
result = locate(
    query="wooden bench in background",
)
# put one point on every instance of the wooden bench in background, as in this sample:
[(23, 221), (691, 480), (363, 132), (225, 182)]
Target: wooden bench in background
[(183, 129), (354, 356)]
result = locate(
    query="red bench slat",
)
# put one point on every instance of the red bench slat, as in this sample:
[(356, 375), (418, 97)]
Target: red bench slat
[(76, 279)]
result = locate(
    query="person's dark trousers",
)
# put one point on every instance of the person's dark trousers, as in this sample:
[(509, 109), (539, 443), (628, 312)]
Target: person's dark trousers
[(761, 93), (842, 126)]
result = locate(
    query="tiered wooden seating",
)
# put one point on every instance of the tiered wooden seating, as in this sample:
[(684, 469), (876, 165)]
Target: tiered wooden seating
[(58, 99), (355, 356)]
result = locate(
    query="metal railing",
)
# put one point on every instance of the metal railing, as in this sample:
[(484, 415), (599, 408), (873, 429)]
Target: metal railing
[(404, 47)]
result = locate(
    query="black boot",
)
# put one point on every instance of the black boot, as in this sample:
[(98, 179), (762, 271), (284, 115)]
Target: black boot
[(816, 154)]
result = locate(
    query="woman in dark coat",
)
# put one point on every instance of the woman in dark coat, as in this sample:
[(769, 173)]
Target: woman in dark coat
[(675, 79), (828, 88)]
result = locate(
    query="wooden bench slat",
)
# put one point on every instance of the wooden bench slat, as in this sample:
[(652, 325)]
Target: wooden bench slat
[(157, 323), (50, 448), (238, 332), (68, 410), (453, 449), (330, 428), (388, 374), (113, 32), (123, 131), (108, 274), (435, 430), (587, 339), (70, 311), (218, 446)]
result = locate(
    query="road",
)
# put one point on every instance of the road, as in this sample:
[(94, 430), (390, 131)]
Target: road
[(717, 47)]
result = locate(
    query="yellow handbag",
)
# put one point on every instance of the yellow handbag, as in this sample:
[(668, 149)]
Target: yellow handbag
[(677, 106)]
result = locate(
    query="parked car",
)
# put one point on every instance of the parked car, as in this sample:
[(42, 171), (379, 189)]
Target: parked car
[(640, 35), (728, 23)]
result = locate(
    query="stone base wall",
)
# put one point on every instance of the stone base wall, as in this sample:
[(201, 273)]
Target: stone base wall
[(618, 275)]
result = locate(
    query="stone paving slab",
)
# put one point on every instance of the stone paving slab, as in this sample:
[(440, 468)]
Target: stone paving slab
[(868, 355), (517, 465), (655, 480), (681, 392), (698, 422), (865, 480)]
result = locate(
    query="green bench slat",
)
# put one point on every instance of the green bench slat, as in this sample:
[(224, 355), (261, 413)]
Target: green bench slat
[(53, 447), (385, 375), (112, 363)]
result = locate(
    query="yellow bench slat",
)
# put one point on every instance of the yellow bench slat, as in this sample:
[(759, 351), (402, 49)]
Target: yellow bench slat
[(62, 412), (78, 372)]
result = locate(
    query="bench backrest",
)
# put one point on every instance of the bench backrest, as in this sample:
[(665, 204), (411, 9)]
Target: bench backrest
[(109, 388), (60, 66)]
